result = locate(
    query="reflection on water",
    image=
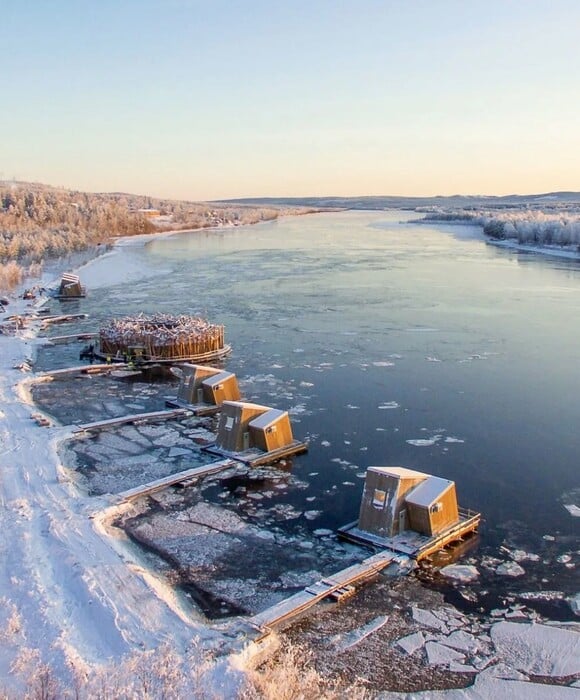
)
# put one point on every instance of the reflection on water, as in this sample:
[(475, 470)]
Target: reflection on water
[(393, 344)]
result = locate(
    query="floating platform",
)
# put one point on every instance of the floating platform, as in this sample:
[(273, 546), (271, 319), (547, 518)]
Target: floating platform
[(165, 482), (81, 369), (50, 320), (337, 586), (153, 360), (411, 543), (152, 417), (253, 457), (198, 409), (64, 339)]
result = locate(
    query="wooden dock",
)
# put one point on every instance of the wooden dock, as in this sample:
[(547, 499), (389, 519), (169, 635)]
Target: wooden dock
[(337, 585), (411, 543), (82, 369), (50, 320), (254, 457), (198, 409), (180, 477), (152, 417), (63, 339)]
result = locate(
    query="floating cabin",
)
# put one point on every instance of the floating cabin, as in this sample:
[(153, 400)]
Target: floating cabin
[(254, 434), (409, 512), (70, 287), (204, 389)]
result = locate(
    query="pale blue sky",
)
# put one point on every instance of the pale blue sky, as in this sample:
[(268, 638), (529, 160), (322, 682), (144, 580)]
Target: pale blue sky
[(202, 100)]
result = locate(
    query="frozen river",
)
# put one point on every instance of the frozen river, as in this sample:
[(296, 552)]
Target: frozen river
[(391, 343)]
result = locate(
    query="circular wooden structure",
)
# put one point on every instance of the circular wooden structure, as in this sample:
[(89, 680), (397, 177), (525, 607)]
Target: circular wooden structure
[(161, 338)]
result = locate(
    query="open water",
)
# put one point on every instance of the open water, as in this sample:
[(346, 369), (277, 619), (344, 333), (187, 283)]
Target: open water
[(392, 343)]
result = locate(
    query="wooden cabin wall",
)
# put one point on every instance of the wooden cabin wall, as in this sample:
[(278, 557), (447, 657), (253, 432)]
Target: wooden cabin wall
[(384, 521), (238, 418), (228, 391), (278, 434), (423, 520)]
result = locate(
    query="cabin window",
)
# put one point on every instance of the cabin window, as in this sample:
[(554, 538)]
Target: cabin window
[(271, 429), (229, 423), (436, 507), (219, 387), (379, 498)]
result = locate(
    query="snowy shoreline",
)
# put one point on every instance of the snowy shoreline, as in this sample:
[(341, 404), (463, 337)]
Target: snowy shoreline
[(82, 598), (555, 251)]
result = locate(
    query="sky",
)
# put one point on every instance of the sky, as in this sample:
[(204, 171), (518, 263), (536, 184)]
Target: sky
[(200, 100)]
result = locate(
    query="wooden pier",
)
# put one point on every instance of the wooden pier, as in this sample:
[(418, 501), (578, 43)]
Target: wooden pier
[(64, 339), (82, 369), (50, 320), (198, 409), (254, 457), (180, 477), (337, 585), (152, 417)]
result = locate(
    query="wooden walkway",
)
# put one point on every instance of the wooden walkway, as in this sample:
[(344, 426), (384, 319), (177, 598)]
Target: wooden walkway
[(152, 417), (49, 320), (187, 475), (336, 585), (254, 457), (63, 339), (83, 369)]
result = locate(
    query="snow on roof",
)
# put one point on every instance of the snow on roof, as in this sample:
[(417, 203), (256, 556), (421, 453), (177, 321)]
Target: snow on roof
[(399, 472), (428, 491), (267, 418), (246, 404), (217, 378)]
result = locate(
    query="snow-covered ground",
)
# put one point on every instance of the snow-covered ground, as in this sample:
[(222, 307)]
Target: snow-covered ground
[(554, 251), (82, 595)]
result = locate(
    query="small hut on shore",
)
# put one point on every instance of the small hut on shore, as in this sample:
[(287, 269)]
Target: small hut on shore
[(161, 338)]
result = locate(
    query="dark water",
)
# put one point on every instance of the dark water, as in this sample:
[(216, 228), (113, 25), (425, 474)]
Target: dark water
[(376, 333)]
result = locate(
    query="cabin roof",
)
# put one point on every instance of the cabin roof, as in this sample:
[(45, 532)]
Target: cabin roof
[(245, 404), (267, 418), (428, 491), (217, 378), (399, 472)]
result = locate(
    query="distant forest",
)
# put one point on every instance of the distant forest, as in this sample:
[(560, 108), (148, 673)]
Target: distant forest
[(39, 222)]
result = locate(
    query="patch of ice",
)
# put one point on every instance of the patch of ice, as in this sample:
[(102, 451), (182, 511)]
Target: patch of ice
[(537, 649), (575, 604), (510, 568), (411, 642), (572, 509), (427, 619), (426, 442), (462, 641), (388, 405), (349, 405), (325, 443), (355, 637), (440, 655), (460, 572), (312, 514), (432, 359), (322, 532), (383, 363), (453, 440)]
